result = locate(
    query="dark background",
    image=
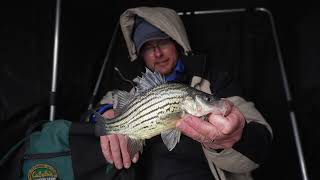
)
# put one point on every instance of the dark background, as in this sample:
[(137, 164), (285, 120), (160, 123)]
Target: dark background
[(26, 53)]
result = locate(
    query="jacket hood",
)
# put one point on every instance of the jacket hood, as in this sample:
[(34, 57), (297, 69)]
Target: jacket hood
[(167, 20)]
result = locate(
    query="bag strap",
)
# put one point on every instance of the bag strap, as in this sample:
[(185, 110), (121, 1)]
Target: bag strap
[(18, 149), (12, 150)]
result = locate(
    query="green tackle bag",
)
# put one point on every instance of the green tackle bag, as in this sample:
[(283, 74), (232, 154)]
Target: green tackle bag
[(47, 154), (43, 154), (59, 150)]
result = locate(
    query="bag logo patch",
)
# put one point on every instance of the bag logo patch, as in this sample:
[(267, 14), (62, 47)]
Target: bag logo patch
[(42, 172)]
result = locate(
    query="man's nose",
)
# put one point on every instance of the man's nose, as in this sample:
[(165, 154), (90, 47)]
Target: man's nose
[(157, 51)]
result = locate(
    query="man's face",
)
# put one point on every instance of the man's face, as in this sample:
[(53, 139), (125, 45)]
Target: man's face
[(160, 55)]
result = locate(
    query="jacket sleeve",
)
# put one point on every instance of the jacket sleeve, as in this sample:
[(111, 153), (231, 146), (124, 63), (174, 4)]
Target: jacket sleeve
[(87, 157), (253, 147)]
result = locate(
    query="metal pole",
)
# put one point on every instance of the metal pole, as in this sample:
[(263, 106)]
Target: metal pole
[(103, 66), (213, 11), (55, 62), (288, 95)]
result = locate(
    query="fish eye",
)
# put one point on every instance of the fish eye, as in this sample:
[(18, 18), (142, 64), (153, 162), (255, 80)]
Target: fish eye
[(206, 98), (209, 98)]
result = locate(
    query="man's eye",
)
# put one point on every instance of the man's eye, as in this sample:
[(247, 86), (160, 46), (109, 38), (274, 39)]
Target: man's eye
[(164, 42), (148, 48)]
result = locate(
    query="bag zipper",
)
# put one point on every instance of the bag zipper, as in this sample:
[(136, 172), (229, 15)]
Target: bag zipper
[(46, 155)]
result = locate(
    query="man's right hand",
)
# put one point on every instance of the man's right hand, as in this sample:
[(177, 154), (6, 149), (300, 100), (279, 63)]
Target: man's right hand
[(115, 147)]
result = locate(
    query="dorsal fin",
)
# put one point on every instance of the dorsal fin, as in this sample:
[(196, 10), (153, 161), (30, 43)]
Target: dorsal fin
[(120, 100), (148, 80)]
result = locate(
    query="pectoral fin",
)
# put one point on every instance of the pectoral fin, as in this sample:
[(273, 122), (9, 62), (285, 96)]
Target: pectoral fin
[(170, 138)]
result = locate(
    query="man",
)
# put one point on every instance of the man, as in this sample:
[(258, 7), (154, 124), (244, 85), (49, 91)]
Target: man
[(224, 147)]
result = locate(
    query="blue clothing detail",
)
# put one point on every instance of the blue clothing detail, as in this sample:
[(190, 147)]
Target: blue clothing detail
[(176, 72), (101, 110)]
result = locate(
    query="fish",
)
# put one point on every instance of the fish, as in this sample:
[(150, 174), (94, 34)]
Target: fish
[(153, 108)]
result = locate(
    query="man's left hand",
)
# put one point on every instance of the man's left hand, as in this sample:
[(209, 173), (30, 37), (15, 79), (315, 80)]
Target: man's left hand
[(221, 131)]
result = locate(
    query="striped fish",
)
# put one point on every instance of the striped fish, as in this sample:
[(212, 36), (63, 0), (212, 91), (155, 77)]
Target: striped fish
[(154, 109)]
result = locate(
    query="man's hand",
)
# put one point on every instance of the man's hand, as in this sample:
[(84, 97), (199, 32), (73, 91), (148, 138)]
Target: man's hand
[(115, 148), (221, 131)]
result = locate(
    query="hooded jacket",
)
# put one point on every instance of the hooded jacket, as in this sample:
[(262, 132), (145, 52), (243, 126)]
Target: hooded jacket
[(229, 163)]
